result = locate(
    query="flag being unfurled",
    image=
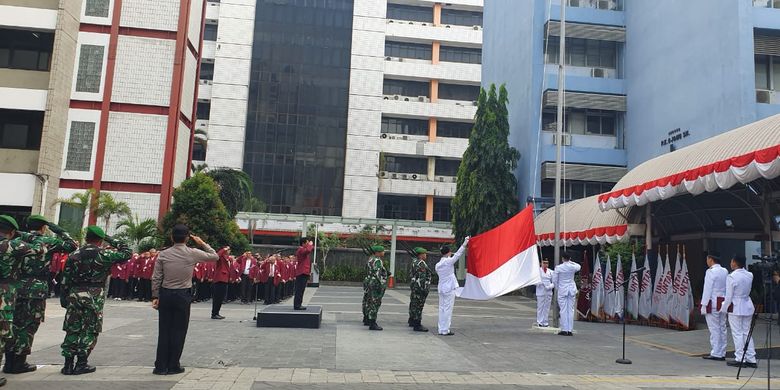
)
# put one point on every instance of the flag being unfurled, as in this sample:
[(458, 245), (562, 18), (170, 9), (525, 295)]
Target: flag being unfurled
[(583, 299), (502, 259), (674, 301), (619, 288), (686, 296), (659, 292), (597, 289), (609, 290), (632, 299), (646, 292)]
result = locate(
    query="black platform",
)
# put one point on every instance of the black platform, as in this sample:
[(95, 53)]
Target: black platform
[(283, 316)]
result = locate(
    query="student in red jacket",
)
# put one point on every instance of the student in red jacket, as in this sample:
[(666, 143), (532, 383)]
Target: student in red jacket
[(245, 264), (233, 281), (302, 271), (254, 278), (268, 278), (220, 284)]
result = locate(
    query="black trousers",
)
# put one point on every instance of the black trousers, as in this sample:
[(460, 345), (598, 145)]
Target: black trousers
[(300, 286), (174, 312), (220, 290), (270, 292), (246, 288)]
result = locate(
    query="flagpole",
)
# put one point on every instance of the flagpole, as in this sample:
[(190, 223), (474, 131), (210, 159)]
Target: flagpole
[(559, 141)]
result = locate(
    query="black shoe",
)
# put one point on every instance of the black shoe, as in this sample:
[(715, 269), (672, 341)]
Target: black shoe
[(710, 357), (160, 371), (569, 334), (300, 308), (410, 322), (447, 334), (82, 367), (21, 366), (175, 371), (735, 363), (420, 328), (751, 365), (366, 322), (374, 326), (67, 369), (562, 333), (217, 317), (8, 368)]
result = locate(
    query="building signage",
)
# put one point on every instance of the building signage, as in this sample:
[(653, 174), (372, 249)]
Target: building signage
[(674, 136)]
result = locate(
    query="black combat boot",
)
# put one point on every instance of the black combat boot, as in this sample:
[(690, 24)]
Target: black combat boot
[(82, 367), (419, 328), (21, 366), (9, 363), (374, 326), (366, 322), (67, 369), (411, 322)]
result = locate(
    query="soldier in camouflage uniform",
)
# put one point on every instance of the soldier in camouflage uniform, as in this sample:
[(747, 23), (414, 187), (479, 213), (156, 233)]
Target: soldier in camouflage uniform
[(12, 251), (374, 284), (84, 281), (420, 283), (33, 289)]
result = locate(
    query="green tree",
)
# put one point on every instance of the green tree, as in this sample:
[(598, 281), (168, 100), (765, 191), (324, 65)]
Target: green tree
[(254, 205), (486, 193), (108, 206), (138, 232), (365, 238), (81, 202), (197, 204), (234, 186)]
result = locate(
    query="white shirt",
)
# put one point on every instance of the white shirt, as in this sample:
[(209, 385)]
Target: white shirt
[(714, 286), (738, 286), (563, 278), (446, 270), (545, 286), (247, 265)]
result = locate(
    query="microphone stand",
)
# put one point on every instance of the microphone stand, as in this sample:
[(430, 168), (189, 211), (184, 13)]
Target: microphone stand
[(623, 359)]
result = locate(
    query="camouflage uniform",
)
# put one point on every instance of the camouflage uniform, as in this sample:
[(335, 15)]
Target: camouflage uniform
[(374, 284), (11, 255), (420, 283), (33, 288), (84, 279)]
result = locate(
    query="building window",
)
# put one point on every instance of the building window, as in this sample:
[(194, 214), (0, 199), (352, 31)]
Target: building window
[(453, 129), (409, 12), (460, 54), (447, 167), (458, 92), (20, 129), (398, 164), (461, 18), (400, 207), (80, 146), (90, 68), (28, 50), (584, 52), (404, 126), (575, 189), (767, 72), (198, 151), (442, 210), (204, 110), (97, 8), (406, 88), (210, 32), (587, 122), (408, 50), (206, 71), (611, 5), (71, 217)]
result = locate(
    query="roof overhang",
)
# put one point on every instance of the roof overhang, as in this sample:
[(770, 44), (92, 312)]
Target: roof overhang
[(582, 223)]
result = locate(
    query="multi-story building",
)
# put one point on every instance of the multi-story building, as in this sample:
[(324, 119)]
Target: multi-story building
[(641, 79)]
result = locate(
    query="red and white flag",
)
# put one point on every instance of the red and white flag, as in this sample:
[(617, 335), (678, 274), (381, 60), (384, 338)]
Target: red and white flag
[(646, 292), (659, 292), (609, 290), (620, 289), (674, 302), (686, 297), (632, 299), (597, 289), (502, 259)]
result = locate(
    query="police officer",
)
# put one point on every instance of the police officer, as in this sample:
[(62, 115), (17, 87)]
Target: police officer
[(84, 281), (711, 299), (738, 285), (563, 279), (544, 293), (375, 284), (12, 250), (420, 283)]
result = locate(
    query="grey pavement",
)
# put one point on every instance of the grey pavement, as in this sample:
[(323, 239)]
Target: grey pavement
[(494, 347)]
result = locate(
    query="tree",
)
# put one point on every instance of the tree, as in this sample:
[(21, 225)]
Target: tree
[(254, 205), (365, 238), (234, 186), (108, 206), (79, 201), (138, 232), (486, 193), (327, 242), (197, 204)]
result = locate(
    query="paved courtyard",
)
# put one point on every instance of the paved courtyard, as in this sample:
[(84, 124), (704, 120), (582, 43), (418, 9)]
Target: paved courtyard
[(494, 347)]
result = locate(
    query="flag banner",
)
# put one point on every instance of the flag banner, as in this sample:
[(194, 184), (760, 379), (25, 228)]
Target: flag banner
[(597, 289), (632, 301), (646, 292), (675, 312), (583, 299), (619, 287), (502, 259), (686, 295), (659, 292), (609, 290)]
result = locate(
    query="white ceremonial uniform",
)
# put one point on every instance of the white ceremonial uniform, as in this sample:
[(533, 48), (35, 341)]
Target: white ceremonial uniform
[(544, 293), (714, 288), (448, 284), (738, 286), (563, 279)]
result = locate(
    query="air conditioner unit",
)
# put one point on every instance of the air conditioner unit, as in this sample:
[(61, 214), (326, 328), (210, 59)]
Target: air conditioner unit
[(394, 176), (405, 176), (763, 96), (475, 103), (406, 99), (396, 97), (404, 137), (605, 4), (566, 140), (414, 176), (392, 137), (411, 22), (423, 99), (383, 174), (447, 26), (400, 59), (383, 135), (390, 21), (425, 24), (598, 73), (574, 3), (454, 179), (476, 28), (440, 178), (388, 58), (386, 98)]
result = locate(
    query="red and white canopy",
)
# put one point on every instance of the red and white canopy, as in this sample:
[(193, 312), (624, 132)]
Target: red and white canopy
[(582, 223), (737, 156)]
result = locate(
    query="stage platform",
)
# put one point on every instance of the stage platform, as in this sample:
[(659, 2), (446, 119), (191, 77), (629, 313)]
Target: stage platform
[(283, 316)]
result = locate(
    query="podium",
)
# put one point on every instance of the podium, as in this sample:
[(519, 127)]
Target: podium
[(283, 316)]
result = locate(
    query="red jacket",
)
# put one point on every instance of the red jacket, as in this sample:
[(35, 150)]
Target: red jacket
[(235, 272), (263, 271), (222, 270), (242, 260), (279, 267), (148, 269), (116, 270), (303, 256), (138, 266)]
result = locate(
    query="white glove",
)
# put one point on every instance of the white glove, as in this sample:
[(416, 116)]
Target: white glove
[(703, 310), (466, 240)]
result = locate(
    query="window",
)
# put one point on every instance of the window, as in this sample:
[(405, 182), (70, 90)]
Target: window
[(210, 32), (198, 151), (584, 52), (400, 207), (575, 189), (204, 110), (404, 126), (206, 71), (71, 217), (80, 146), (767, 72), (442, 211), (458, 92), (588, 122), (453, 129), (408, 12), (408, 50), (90, 68), (406, 88), (460, 54), (98, 8), (461, 18), (20, 129), (28, 50), (398, 164), (447, 167)]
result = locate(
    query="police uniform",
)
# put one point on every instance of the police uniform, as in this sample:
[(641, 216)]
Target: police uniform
[(544, 293), (374, 284), (713, 294), (448, 285), (738, 286), (419, 285), (563, 280)]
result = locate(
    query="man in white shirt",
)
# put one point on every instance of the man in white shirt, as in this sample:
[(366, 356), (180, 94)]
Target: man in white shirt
[(544, 293), (738, 286), (563, 280), (448, 284), (711, 299)]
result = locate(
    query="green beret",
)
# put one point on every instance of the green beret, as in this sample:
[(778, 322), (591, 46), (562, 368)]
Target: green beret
[(420, 251), (9, 221), (377, 248), (37, 218), (96, 231)]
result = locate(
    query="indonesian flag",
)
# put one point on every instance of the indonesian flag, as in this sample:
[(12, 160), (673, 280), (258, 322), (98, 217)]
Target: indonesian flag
[(632, 301), (502, 259), (646, 292), (659, 293), (609, 290), (674, 301), (597, 289), (686, 297), (619, 287), (583, 298)]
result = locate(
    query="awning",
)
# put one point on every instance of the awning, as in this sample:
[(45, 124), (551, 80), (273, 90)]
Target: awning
[(582, 223), (737, 156)]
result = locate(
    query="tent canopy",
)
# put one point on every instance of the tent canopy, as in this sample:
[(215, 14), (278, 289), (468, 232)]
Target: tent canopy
[(582, 223)]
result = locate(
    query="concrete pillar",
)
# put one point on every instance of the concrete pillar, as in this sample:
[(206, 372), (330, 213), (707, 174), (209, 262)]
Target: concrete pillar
[(437, 14), (434, 91), (432, 129), (648, 227), (431, 168), (435, 52), (429, 208)]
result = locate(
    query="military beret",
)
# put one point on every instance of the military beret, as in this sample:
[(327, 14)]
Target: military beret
[(420, 251), (37, 218), (8, 221), (96, 231), (377, 248)]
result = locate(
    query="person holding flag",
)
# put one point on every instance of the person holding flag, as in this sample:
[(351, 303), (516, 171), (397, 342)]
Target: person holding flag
[(563, 279), (544, 293), (448, 285)]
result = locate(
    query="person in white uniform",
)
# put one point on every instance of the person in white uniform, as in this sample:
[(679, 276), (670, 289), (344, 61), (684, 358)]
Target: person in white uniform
[(738, 286), (448, 284), (544, 293), (711, 299), (563, 280)]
